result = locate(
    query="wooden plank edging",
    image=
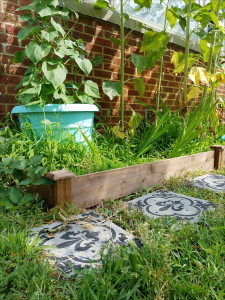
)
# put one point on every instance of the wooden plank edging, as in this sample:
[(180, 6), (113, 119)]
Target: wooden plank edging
[(88, 190)]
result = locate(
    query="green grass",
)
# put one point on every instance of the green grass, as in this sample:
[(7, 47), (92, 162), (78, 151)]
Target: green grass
[(105, 152), (177, 261)]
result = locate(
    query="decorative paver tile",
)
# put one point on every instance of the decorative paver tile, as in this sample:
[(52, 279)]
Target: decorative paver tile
[(166, 203), (213, 182), (79, 243)]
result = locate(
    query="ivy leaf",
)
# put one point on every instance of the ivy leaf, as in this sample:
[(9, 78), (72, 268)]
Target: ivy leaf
[(139, 62), (205, 50), (26, 32), (112, 89), (15, 194), (58, 27), (20, 164), (135, 120), (116, 130), (178, 59), (86, 99), (214, 18), (36, 52), (98, 60), (193, 93), (49, 35), (153, 41), (199, 76), (139, 85), (27, 7), (217, 79), (25, 182), (35, 160), (171, 18), (203, 18), (101, 4), (214, 5), (115, 41), (91, 89), (143, 3), (154, 56), (56, 75), (45, 11), (84, 64), (19, 56)]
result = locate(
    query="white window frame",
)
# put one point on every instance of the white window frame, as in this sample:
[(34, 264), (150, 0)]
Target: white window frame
[(86, 8)]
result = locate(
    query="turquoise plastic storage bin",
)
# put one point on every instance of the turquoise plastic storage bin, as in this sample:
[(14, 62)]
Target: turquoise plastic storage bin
[(67, 119)]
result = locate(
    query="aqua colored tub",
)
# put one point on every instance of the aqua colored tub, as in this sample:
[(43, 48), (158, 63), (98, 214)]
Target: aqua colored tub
[(65, 119)]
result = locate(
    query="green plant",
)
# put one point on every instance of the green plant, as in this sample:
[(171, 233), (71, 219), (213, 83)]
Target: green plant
[(177, 260), (17, 174), (192, 126), (209, 29), (51, 51), (140, 62)]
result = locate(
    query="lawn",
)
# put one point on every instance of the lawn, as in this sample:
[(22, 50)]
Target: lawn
[(175, 261)]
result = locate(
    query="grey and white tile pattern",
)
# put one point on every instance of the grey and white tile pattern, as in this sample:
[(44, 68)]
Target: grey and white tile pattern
[(79, 244), (166, 203), (213, 182)]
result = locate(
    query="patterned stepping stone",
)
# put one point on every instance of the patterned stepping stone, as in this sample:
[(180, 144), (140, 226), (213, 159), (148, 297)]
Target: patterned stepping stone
[(78, 245), (213, 182), (166, 203)]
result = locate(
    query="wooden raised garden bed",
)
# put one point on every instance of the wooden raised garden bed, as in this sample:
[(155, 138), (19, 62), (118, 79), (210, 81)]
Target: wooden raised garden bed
[(88, 190)]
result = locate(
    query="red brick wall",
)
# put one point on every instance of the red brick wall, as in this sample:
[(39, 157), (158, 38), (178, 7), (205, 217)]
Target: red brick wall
[(96, 34)]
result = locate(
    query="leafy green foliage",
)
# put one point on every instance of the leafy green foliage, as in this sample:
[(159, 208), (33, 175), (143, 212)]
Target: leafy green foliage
[(21, 173), (50, 50), (153, 40), (139, 85), (112, 89), (139, 62)]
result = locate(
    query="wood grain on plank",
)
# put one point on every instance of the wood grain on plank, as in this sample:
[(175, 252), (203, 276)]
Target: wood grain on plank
[(91, 189)]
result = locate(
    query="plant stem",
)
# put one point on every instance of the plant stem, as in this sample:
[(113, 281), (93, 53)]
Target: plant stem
[(161, 69), (18, 186), (122, 66), (210, 60), (187, 50)]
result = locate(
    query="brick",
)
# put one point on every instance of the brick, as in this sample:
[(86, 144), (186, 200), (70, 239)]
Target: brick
[(94, 48), (15, 70), (11, 29), (86, 20), (10, 79), (130, 71), (104, 25), (102, 74), (8, 39), (24, 2), (2, 28), (10, 90), (113, 68), (103, 42), (3, 109), (2, 88), (11, 49), (93, 31), (111, 52), (5, 59), (116, 61), (7, 99), (167, 89), (9, 18), (8, 7)]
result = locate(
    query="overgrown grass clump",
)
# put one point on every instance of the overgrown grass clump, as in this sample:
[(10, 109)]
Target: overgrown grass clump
[(177, 260), (107, 151)]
